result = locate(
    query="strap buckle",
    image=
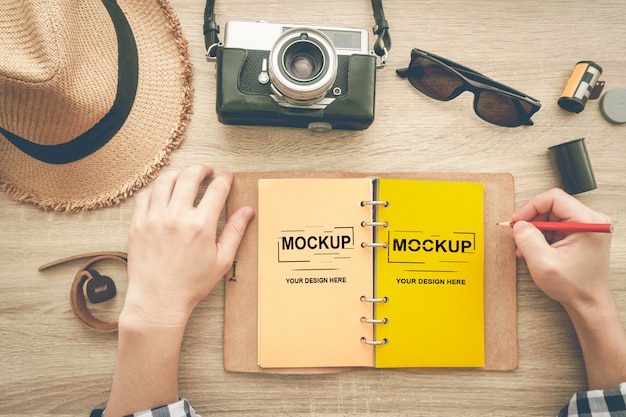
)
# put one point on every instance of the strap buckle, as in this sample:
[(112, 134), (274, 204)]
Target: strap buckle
[(98, 288)]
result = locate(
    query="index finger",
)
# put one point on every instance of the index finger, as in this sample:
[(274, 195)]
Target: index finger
[(215, 196), (187, 185)]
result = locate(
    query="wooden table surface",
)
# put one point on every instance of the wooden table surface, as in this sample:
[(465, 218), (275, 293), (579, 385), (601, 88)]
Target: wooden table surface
[(51, 364)]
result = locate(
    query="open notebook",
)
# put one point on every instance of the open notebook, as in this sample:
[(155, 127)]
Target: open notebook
[(439, 294)]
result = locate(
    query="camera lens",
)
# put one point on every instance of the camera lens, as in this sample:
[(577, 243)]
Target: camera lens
[(303, 65), (303, 61)]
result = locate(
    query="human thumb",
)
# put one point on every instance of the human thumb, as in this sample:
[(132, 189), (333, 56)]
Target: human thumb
[(530, 241)]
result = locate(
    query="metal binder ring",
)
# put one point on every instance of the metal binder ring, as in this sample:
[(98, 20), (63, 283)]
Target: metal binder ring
[(374, 321), (375, 224), (374, 342), (374, 300), (374, 245), (375, 203)]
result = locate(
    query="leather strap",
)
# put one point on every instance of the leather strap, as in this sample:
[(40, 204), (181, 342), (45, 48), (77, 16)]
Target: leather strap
[(210, 29), (80, 290), (382, 45)]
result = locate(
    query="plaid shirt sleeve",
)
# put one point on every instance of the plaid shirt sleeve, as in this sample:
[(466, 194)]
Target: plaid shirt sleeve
[(597, 403), (180, 408)]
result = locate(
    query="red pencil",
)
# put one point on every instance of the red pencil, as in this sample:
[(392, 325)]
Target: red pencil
[(567, 226)]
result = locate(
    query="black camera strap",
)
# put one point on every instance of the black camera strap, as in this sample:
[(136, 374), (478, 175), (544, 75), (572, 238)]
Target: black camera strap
[(211, 29), (382, 45)]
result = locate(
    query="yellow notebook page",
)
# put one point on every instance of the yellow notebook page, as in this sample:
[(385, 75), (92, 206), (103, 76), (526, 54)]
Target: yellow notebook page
[(432, 273), (313, 271)]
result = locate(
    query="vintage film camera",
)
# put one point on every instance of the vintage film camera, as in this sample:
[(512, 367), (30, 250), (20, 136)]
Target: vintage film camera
[(320, 78)]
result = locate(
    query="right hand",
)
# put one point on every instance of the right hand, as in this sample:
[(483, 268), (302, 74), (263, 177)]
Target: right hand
[(571, 268)]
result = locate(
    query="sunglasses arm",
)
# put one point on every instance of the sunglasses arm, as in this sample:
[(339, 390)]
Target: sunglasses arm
[(403, 72)]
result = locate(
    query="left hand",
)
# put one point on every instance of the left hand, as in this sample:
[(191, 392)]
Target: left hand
[(175, 257)]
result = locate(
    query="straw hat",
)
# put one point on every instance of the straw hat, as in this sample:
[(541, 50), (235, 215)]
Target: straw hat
[(94, 95)]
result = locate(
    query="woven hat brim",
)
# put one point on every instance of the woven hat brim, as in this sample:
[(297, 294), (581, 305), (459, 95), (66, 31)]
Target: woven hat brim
[(154, 128)]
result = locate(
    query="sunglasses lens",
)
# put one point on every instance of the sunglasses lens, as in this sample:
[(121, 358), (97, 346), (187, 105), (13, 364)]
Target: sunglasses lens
[(433, 79), (502, 109), (444, 80)]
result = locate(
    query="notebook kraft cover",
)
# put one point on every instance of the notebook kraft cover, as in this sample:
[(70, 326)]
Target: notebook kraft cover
[(240, 304)]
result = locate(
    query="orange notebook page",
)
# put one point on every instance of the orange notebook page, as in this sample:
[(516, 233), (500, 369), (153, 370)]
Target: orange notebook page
[(433, 274), (312, 272)]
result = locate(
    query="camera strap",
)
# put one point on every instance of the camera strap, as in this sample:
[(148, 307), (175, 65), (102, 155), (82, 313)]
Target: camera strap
[(211, 30), (382, 45)]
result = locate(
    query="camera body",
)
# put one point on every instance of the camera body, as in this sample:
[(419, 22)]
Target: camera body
[(319, 78)]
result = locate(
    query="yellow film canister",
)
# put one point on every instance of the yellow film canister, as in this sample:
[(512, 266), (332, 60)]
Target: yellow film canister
[(579, 86)]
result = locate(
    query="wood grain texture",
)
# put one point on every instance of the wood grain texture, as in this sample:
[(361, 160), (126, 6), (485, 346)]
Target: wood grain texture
[(51, 365)]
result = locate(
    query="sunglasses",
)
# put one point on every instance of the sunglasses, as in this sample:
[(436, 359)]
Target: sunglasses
[(444, 80)]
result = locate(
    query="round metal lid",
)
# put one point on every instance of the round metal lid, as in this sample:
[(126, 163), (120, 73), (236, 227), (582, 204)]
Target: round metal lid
[(613, 105)]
